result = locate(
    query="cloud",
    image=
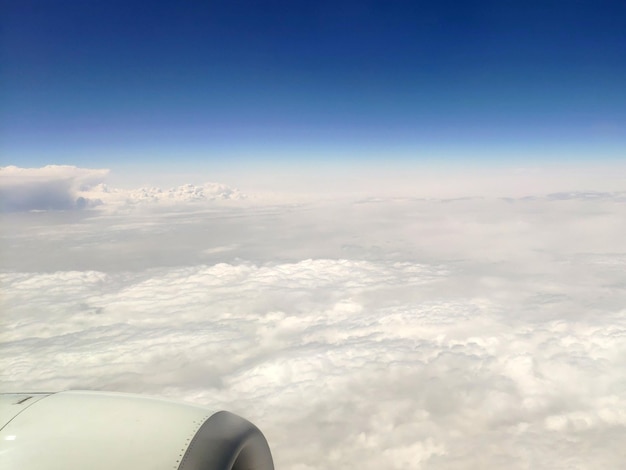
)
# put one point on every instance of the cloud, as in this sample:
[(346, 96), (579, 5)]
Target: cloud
[(319, 346), (382, 333), (185, 194), (63, 188), (53, 187)]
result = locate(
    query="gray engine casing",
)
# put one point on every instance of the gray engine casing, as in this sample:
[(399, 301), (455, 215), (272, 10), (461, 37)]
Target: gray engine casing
[(102, 430)]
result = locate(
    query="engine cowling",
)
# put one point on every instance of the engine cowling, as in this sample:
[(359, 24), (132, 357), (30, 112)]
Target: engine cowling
[(101, 430)]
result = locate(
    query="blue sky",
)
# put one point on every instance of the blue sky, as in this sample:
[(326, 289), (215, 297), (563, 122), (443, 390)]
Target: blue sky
[(107, 83)]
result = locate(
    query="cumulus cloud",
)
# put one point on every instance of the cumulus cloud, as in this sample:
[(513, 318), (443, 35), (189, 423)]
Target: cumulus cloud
[(185, 194), (53, 187), (63, 188), (381, 333)]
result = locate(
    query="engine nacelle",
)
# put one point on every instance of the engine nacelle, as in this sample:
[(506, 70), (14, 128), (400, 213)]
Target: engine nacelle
[(100, 430)]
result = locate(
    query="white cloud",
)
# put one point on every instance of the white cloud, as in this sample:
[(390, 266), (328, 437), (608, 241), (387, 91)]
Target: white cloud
[(62, 188), (53, 187), (388, 333), (187, 193)]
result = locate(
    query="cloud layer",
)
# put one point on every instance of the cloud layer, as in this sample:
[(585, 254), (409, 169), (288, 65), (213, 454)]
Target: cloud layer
[(379, 333)]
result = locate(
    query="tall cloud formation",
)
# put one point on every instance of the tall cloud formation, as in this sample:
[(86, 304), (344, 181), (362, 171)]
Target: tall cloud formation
[(65, 188), (53, 187), (382, 333)]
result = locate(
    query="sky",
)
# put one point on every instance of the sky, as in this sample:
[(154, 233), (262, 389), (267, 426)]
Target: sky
[(273, 83), (390, 234)]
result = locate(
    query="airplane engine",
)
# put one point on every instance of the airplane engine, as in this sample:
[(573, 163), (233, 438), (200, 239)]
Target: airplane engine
[(100, 430)]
